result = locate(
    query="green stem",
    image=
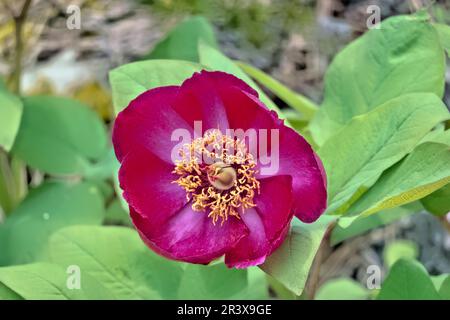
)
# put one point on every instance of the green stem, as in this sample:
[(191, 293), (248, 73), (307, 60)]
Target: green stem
[(298, 102), (5, 183), (19, 22), (19, 176), (13, 175), (445, 223)]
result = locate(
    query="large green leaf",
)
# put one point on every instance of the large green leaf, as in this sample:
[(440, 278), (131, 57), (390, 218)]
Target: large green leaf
[(443, 31), (11, 109), (257, 288), (403, 56), (423, 171), (116, 257), (356, 156), (408, 280), (342, 289), (216, 60), (45, 281), (60, 136), (444, 290), (8, 294), (439, 136), (438, 202), (46, 209), (181, 42), (130, 80), (291, 262), (213, 282)]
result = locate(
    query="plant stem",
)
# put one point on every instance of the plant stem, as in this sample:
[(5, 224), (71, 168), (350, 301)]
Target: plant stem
[(445, 223), (13, 174), (19, 22), (6, 198)]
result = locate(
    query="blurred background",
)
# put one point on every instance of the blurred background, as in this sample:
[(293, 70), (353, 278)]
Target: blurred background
[(292, 40)]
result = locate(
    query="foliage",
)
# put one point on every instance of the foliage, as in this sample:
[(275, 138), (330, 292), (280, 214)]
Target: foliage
[(379, 133)]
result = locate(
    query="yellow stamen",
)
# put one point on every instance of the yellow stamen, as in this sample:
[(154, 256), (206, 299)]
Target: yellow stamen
[(224, 186)]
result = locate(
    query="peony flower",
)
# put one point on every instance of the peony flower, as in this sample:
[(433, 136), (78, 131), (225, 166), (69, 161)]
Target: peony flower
[(197, 194)]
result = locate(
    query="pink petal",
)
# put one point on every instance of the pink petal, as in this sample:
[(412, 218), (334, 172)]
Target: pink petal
[(267, 223), (203, 94), (148, 185), (149, 120), (190, 236), (245, 111), (298, 160), (296, 157)]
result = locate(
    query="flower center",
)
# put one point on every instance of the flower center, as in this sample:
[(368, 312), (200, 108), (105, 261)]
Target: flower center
[(222, 176), (218, 175)]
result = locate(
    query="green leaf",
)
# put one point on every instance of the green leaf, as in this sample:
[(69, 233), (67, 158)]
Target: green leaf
[(356, 156), (399, 249), (363, 224), (215, 60), (408, 280), (117, 258), (44, 281), (46, 209), (297, 121), (444, 290), (443, 31), (116, 214), (36, 281), (257, 288), (104, 167), (120, 262), (212, 282), (438, 280), (181, 42), (440, 137), (130, 80), (60, 136), (438, 202), (11, 109), (8, 294), (298, 102), (403, 56), (291, 262), (342, 289), (423, 171), (434, 134)]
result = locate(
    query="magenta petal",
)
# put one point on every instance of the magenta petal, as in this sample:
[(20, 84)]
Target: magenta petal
[(149, 120), (267, 223), (253, 249), (201, 98), (222, 80), (297, 159), (274, 204), (190, 236), (148, 185), (245, 111)]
